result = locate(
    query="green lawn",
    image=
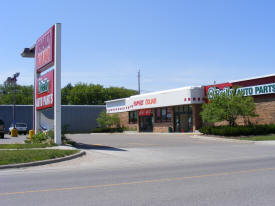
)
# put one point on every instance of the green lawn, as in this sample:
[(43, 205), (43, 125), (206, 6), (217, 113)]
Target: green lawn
[(21, 156), (259, 138), (25, 146)]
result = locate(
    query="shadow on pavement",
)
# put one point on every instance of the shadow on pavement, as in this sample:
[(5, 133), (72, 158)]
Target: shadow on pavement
[(97, 147)]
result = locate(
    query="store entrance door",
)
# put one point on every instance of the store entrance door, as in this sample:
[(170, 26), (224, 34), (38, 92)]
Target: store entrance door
[(145, 120), (183, 121), (146, 124)]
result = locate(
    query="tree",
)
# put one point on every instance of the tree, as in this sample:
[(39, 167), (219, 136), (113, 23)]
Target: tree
[(228, 106), (65, 92), (108, 120), (79, 94), (24, 94)]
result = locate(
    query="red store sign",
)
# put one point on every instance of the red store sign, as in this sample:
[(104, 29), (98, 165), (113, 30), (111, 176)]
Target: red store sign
[(145, 102), (144, 112), (45, 91), (44, 51)]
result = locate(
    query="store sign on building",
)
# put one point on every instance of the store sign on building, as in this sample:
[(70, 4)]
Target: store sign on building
[(44, 51), (142, 102), (218, 89), (144, 112), (211, 91), (258, 89), (45, 91)]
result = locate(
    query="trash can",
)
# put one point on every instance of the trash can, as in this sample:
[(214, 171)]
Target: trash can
[(170, 129), (14, 132)]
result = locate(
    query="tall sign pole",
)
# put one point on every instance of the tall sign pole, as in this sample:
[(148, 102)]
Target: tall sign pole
[(57, 85), (48, 85)]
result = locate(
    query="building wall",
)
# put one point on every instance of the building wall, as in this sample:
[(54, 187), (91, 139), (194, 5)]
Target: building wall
[(197, 120), (163, 126), (265, 108), (124, 121), (79, 118)]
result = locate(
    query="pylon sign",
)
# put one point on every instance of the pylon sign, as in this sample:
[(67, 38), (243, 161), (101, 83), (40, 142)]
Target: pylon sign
[(48, 86), (45, 91), (44, 51)]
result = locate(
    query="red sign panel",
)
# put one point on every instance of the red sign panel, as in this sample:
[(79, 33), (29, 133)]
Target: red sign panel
[(44, 51), (144, 112), (45, 91), (211, 89)]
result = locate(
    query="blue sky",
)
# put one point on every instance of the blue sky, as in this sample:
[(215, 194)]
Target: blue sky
[(174, 43)]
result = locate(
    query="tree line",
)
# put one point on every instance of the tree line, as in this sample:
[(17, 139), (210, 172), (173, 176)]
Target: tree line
[(78, 94)]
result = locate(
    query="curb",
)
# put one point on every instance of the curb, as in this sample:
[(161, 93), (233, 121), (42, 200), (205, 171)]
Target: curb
[(43, 162)]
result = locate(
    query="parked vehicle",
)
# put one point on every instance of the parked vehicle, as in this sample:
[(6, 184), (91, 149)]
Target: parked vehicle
[(21, 128), (2, 129)]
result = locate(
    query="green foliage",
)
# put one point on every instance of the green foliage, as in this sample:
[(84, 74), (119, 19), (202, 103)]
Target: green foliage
[(65, 92), (106, 120), (21, 156), (93, 94), (24, 94), (239, 130), (79, 94), (25, 146), (259, 138), (228, 106), (42, 137)]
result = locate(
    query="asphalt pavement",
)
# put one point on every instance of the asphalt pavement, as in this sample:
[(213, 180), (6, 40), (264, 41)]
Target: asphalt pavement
[(149, 169)]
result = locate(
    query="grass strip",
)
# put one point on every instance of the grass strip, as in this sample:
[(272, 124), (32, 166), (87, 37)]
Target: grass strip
[(22, 156), (259, 138), (25, 146)]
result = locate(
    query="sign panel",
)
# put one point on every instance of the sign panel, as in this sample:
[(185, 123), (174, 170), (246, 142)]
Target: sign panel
[(44, 51), (45, 91), (211, 90), (258, 89), (246, 91), (144, 112)]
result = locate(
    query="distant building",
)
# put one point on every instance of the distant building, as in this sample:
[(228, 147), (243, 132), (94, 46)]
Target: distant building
[(76, 118)]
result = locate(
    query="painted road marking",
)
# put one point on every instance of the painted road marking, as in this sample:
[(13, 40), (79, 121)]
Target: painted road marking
[(139, 182)]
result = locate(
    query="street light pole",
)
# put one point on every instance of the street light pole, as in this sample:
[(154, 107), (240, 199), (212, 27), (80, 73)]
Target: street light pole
[(10, 81), (14, 104)]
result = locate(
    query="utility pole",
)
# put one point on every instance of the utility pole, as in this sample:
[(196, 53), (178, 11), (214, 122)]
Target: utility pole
[(138, 81), (12, 81)]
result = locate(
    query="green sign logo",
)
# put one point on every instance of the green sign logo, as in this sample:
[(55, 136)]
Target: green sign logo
[(43, 85)]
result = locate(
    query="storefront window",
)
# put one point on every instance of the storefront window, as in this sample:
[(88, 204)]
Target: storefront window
[(158, 115), (133, 117), (163, 115)]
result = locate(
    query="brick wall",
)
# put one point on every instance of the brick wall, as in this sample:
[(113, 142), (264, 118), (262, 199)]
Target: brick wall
[(197, 121), (265, 108), (124, 120), (162, 127)]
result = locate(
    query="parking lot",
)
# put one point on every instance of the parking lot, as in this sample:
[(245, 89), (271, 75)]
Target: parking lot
[(12, 140)]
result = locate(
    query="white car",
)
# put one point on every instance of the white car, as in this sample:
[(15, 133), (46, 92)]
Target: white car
[(21, 128)]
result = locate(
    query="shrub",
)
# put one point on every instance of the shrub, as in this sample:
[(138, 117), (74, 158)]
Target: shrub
[(239, 130), (106, 120), (41, 137)]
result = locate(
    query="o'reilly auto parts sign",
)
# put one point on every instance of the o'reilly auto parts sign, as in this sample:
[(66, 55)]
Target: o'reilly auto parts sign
[(45, 91), (258, 89), (246, 91)]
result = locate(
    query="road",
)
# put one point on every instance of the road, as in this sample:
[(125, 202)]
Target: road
[(149, 169)]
